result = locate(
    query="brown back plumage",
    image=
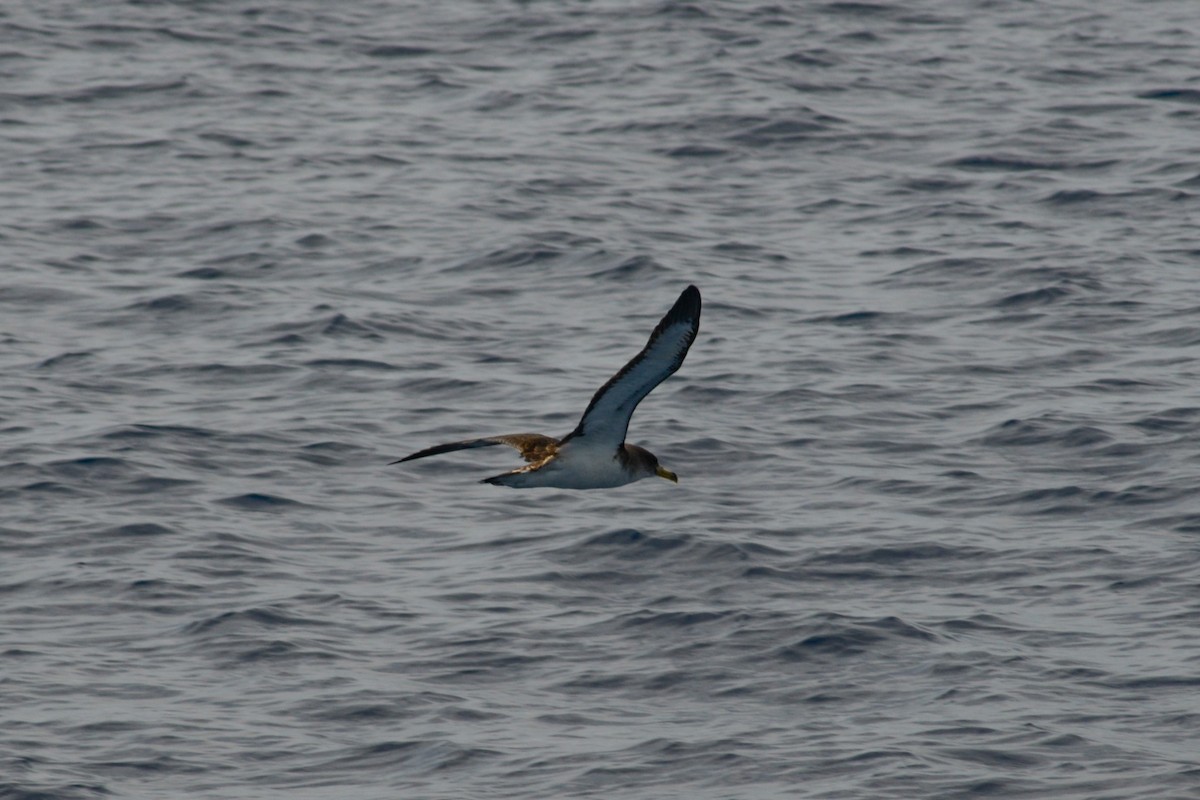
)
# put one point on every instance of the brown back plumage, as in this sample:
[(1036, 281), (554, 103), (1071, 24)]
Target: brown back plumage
[(532, 446)]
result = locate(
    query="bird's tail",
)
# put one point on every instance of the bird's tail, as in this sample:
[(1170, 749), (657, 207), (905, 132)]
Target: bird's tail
[(517, 479)]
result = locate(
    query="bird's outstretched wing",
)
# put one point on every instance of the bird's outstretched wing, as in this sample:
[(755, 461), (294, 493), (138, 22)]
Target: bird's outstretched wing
[(607, 417), (533, 446)]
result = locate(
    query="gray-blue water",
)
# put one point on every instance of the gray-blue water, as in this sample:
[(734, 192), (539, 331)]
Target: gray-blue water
[(937, 533)]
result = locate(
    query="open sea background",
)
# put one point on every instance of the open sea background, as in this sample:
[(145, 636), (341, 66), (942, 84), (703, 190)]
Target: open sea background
[(937, 533)]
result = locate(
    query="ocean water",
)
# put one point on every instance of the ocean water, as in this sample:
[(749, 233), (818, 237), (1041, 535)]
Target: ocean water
[(937, 532)]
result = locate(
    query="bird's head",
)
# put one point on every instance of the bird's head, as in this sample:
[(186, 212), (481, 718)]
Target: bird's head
[(645, 464)]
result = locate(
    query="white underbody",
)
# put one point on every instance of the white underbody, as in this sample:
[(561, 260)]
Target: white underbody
[(577, 465)]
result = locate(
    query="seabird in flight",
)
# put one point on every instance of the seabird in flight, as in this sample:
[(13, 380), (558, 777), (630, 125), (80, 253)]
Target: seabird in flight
[(594, 455)]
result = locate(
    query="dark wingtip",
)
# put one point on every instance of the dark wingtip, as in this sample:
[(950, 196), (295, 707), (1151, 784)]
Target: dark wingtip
[(688, 302), (687, 307)]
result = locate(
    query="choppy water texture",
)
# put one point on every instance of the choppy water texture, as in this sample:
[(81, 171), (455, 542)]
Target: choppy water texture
[(937, 533)]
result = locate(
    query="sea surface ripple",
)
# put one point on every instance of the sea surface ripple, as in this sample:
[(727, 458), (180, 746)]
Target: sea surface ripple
[(937, 533)]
